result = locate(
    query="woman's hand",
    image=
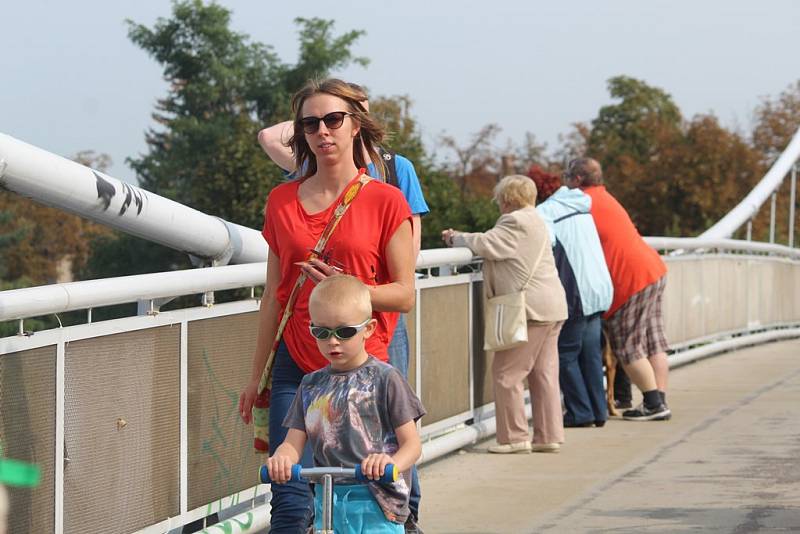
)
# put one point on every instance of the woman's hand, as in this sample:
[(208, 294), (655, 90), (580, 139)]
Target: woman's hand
[(246, 401), (373, 465), (317, 270), (447, 236)]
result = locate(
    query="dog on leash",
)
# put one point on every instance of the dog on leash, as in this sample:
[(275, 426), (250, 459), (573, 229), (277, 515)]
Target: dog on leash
[(610, 363)]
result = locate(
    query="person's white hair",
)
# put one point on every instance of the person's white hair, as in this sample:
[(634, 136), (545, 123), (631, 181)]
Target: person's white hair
[(515, 192)]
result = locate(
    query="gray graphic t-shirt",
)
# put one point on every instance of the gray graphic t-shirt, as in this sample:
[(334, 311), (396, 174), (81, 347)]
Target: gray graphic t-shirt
[(351, 414)]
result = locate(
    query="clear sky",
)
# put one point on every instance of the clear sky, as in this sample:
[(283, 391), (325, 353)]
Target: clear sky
[(73, 81)]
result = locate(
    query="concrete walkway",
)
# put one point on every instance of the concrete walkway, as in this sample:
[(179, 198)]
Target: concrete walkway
[(728, 461)]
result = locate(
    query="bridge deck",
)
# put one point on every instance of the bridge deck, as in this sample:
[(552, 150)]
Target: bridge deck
[(727, 462)]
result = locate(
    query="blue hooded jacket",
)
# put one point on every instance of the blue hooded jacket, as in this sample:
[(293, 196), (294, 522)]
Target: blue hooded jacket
[(577, 250)]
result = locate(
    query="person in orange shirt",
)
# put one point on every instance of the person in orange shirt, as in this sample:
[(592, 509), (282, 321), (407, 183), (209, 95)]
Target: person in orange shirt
[(634, 321)]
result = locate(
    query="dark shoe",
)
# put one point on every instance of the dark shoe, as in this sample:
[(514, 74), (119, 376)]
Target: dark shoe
[(622, 405), (587, 424), (643, 413), (411, 526), (600, 424)]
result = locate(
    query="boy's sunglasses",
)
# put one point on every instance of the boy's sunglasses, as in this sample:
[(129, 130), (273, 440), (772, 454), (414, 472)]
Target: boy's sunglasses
[(341, 332), (332, 121)]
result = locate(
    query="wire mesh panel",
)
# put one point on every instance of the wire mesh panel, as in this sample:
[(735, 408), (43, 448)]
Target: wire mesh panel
[(673, 307), (482, 364), (445, 351), (122, 431), (27, 432), (222, 460)]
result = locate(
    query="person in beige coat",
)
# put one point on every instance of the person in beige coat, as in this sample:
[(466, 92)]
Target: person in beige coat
[(516, 250)]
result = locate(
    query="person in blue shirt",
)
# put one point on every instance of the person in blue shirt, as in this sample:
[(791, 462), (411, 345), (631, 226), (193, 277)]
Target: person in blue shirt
[(587, 283), (274, 141)]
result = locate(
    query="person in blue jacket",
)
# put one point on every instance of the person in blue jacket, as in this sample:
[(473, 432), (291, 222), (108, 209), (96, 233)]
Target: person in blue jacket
[(587, 283)]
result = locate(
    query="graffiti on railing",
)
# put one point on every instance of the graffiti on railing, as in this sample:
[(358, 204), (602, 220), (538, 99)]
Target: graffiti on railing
[(225, 436), (226, 527), (106, 191)]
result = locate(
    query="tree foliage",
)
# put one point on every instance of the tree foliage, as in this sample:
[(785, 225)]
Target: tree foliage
[(223, 87), (44, 245), (776, 120), (675, 176)]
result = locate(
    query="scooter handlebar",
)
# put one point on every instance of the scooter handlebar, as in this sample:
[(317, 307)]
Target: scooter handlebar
[(303, 474)]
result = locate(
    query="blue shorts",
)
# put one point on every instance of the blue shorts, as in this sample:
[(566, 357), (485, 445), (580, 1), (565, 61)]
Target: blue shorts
[(355, 511)]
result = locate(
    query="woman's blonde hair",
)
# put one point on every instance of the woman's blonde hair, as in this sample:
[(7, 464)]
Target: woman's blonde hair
[(515, 192), (370, 134)]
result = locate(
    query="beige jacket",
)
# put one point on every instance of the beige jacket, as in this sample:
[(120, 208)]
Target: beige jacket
[(510, 250)]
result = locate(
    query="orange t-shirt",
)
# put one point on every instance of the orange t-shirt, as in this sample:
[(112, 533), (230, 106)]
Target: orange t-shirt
[(357, 246), (633, 265)]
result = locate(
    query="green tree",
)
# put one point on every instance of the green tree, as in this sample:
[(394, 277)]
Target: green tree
[(776, 121), (203, 151), (51, 245), (402, 134)]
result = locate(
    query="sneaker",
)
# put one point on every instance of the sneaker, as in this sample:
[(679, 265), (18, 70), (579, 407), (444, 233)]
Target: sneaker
[(622, 405), (643, 413), (545, 447), (511, 448)]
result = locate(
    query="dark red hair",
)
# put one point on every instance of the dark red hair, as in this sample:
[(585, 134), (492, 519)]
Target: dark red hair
[(546, 183)]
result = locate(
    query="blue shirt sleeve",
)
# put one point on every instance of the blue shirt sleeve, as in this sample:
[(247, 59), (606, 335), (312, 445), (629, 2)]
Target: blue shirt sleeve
[(408, 182)]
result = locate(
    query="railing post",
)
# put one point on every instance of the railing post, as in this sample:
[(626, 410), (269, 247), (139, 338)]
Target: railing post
[(750, 229), (792, 197), (772, 217)]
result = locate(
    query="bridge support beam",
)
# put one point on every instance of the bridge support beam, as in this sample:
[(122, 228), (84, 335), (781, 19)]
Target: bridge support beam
[(772, 217), (792, 200)]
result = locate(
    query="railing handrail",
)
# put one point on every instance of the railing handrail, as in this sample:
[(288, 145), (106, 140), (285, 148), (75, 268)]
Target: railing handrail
[(729, 245), (59, 298)]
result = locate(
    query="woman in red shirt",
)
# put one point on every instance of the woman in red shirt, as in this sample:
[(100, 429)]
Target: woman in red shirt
[(372, 241)]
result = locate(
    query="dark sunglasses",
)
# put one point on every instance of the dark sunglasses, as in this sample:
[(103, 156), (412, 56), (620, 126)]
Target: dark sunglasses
[(341, 332), (332, 121)]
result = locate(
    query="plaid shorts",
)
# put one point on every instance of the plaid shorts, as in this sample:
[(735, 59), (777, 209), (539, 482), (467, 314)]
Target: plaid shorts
[(636, 330)]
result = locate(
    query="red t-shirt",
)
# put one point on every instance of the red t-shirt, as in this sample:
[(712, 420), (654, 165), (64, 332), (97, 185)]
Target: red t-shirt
[(633, 265), (357, 246)]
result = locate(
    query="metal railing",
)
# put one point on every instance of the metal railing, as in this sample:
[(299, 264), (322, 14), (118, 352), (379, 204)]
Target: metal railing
[(209, 349)]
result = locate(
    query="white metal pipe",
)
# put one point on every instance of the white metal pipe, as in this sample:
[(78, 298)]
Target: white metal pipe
[(772, 217), (442, 256), (70, 186), (732, 245), (717, 347), (57, 298), (792, 200), (748, 207), (750, 229)]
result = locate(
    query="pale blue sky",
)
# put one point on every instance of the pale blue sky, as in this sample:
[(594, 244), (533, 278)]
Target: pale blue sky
[(73, 81)]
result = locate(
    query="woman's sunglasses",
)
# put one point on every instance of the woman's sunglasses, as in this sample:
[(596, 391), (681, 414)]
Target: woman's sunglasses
[(332, 121), (341, 332)]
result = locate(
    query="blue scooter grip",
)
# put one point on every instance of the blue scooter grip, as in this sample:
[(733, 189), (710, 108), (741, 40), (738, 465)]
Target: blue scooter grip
[(263, 474), (390, 474)]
